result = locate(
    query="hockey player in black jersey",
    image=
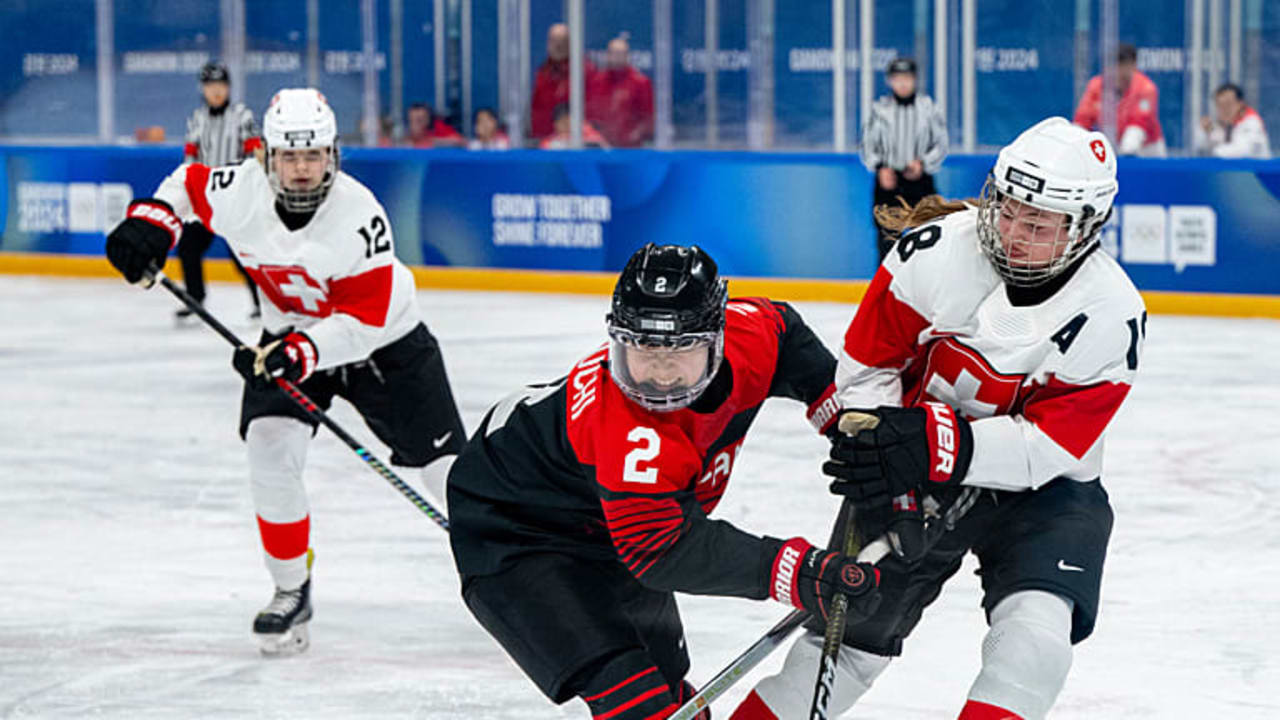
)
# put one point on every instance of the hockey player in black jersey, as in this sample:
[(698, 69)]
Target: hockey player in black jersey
[(580, 506)]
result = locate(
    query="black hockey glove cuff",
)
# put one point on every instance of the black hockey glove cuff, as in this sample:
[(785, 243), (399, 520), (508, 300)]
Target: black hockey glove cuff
[(807, 578), (292, 358), (882, 454), (141, 241)]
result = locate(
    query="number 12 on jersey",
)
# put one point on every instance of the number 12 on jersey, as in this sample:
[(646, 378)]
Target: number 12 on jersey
[(375, 237)]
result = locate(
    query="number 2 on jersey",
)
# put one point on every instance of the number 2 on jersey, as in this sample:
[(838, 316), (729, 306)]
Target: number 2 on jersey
[(221, 179), (375, 237), (650, 445)]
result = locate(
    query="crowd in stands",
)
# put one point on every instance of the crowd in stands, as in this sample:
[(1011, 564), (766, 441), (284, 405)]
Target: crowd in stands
[(1235, 131), (618, 112), (618, 109)]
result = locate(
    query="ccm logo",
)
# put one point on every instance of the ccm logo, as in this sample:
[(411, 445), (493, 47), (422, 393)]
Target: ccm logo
[(944, 447), (786, 571)]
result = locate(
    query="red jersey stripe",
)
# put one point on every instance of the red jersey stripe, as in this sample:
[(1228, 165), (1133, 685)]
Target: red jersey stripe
[(653, 507), (636, 534), (658, 552), (885, 331), (1074, 416), (197, 181), (366, 296)]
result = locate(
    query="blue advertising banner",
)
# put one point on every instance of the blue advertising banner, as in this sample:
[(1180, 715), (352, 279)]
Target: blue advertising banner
[(1181, 225)]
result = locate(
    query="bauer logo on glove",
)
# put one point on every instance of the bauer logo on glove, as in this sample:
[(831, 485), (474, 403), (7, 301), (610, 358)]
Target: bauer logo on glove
[(888, 452)]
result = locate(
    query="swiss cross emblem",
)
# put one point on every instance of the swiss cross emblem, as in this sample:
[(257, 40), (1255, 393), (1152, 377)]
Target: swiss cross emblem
[(1099, 150), (961, 377), (291, 289)]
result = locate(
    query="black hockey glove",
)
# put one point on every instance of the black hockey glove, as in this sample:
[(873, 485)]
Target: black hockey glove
[(882, 454), (141, 241), (292, 357), (807, 577)]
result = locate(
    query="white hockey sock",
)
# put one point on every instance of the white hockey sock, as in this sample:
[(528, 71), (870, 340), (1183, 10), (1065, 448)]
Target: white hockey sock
[(789, 693), (277, 453), (1026, 654)]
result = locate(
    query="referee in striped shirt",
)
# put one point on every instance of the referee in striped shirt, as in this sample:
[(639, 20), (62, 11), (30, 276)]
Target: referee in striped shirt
[(219, 132), (903, 143)]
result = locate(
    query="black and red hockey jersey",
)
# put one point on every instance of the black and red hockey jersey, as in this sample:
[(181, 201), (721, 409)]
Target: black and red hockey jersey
[(575, 467)]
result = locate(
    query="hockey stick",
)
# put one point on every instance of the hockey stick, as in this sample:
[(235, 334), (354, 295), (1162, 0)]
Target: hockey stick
[(310, 408), (741, 665), (826, 681), (760, 649)]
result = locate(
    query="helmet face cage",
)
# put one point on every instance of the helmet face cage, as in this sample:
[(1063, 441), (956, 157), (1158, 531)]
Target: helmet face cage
[(692, 359), (302, 201), (1049, 244), (666, 326)]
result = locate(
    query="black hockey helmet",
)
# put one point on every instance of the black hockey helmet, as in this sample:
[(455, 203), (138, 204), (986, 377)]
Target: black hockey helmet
[(667, 325), (214, 72)]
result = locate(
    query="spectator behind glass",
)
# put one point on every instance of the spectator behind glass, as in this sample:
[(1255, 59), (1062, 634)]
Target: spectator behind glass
[(1238, 131), (488, 134), (904, 142), (620, 99), (1137, 112), (559, 139), (551, 86), (427, 130)]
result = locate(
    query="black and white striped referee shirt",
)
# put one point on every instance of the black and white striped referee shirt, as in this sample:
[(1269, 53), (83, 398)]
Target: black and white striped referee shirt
[(221, 138), (897, 133)]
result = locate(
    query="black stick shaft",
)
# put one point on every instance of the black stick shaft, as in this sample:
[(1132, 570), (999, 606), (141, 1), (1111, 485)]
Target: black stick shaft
[(825, 684), (312, 409)]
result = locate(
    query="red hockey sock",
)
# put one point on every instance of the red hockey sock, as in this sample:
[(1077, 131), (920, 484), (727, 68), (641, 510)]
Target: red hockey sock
[(753, 708), (974, 710), (284, 541)]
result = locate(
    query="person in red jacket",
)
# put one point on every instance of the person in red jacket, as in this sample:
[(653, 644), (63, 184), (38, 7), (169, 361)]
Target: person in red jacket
[(551, 86), (426, 130), (1138, 111), (620, 99), (560, 139)]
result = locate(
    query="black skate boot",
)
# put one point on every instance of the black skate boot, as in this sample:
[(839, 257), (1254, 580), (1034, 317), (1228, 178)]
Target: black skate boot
[(281, 627)]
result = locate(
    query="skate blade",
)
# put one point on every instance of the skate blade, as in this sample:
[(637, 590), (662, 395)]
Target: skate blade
[(293, 641)]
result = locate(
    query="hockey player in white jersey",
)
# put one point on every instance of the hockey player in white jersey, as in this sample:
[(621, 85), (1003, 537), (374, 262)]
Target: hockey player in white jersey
[(993, 347), (340, 318)]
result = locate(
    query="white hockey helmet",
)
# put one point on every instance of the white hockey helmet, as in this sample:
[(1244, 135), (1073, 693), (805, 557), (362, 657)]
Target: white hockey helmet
[(300, 118), (1057, 167)]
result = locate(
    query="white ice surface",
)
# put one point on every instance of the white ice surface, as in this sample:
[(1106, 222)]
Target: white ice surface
[(130, 566)]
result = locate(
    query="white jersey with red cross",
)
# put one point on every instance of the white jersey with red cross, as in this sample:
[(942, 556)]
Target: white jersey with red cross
[(1039, 382), (336, 278)]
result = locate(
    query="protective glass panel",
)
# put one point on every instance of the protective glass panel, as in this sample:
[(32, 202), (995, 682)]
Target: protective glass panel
[(803, 75), (276, 52), (48, 79), (159, 50), (1024, 69)]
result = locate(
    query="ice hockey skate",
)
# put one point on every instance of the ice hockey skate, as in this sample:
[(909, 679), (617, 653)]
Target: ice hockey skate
[(281, 627)]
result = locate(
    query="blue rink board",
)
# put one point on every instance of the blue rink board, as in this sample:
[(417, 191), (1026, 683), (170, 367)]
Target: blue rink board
[(762, 215)]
